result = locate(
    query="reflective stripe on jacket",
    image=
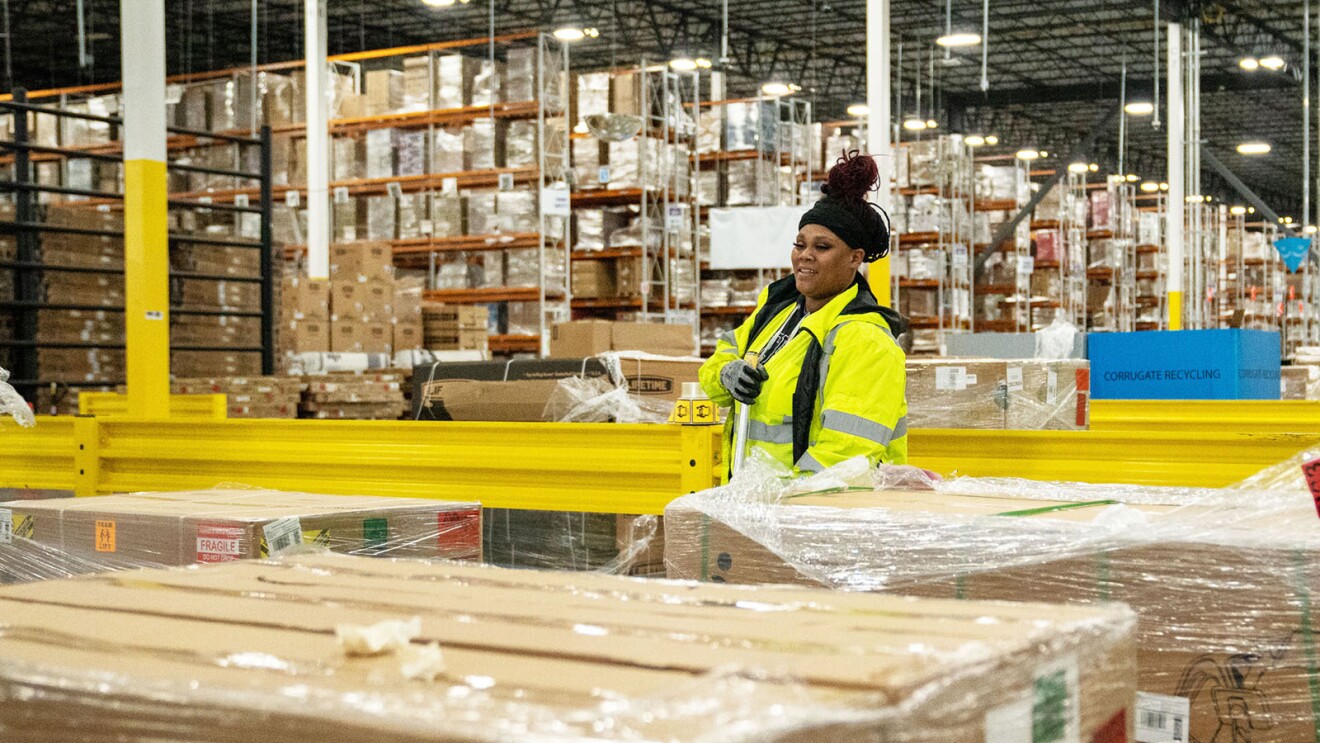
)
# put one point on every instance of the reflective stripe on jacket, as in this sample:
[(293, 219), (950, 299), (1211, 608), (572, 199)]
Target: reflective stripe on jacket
[(836, 389)]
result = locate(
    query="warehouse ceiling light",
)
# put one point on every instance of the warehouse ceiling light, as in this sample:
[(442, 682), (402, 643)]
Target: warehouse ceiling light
[(1079, 168), (959, 39), (914, 125), (1133, 178), (1237, 211), (704, 63), (974, 140), (1254, 148), (1140, 108), (778, 89), (442, 3), (1028, 154), (859, 110), (932, 124), (573, 33), (1250, 64), (683, 64), (1150, 187), (1273, 63), (991, 140), (1164, 186)]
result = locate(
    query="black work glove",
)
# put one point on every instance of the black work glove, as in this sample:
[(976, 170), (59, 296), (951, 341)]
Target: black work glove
[(743, 380)]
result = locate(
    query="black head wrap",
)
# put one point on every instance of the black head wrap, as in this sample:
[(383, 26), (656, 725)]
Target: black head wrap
[(845, 211)]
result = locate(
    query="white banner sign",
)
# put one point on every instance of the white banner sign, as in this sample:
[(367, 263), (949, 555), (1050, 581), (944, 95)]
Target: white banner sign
[(750, 237)]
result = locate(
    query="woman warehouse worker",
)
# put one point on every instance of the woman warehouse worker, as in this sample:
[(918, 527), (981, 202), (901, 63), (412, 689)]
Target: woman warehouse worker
[(830, 381)]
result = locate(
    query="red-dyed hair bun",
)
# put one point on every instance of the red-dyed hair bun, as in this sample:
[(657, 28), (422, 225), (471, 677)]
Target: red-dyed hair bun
[(852, 177)]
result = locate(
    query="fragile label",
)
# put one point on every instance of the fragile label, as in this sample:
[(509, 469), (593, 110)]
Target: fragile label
[(292, 199), (952, 378), (6, 526), (458, 534), (1014, 379), (280, 535), (1056, 704), (1162, 718), (216, 543), (1312, 472), (105, 536)]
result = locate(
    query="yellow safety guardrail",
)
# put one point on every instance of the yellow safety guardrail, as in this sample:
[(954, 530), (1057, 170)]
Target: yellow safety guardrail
[(190, 407), (564, 467), (38, 458), (570, 467), (1211, 416), (1180, 458)]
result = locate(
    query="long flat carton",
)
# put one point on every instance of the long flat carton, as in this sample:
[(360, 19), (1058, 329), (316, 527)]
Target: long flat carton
[(593, 337), (221, 525), (217, 653), (1222, 587)]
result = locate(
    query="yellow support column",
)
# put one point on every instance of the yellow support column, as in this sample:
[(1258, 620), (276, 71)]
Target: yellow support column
[(877, 275), (1175, 310), (146, 216)]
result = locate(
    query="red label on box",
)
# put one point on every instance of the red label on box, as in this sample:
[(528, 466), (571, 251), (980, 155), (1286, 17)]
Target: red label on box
[(218, 543), (1312, 471), (1083, 380), (458, 535), (1083, 410)]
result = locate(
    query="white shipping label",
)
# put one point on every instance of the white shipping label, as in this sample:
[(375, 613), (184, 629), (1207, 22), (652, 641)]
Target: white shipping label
[(971, 379), (1025, 265), (674, 214), (292, 199), (1052, 386), (1009, 723), (555, 201), (350, 232), (241, 200), (6, 526), (341, 194), (426, 227), (1162, 718), (952, 378), (1014, 379), (506, 181), (282, 534), (394, 189), (204, 200), (603, 174), (449, 185), (1056, 706)]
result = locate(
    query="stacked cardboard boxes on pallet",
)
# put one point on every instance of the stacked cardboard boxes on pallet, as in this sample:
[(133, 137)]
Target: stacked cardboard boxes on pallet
[(209, 526), (368, 396), (1026, 394), (248, 397), (1222, 581), (674, 662)]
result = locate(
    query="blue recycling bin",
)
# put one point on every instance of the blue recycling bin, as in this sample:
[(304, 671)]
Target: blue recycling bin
[(1185, 365)]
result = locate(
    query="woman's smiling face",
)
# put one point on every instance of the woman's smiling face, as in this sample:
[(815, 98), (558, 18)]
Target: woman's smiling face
[(823, 265)]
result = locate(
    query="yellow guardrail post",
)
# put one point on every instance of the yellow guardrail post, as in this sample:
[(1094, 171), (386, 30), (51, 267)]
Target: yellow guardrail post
[(87, 455), (700, 460)]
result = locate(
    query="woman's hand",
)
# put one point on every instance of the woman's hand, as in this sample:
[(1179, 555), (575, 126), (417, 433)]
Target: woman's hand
[(743, 380)]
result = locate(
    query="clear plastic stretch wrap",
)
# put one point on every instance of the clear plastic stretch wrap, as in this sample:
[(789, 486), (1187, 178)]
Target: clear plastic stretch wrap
[(329, 647), (1222, 580), (12, 404), (60, 537)]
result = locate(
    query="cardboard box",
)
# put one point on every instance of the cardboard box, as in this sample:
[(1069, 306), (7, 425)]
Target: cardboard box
[(361, 337), (1222, 586), (1185, 365), (372, 260), (1299, 382), (931, 671), (303, 336), (437, 396), (223, 525), (593, 279), (593, 337), (961, 393), (365, 301), (407, 336), (657, 381)]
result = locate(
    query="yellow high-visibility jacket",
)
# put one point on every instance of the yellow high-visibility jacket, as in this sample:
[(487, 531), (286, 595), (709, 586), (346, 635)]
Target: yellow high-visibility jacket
[(836, 390)]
